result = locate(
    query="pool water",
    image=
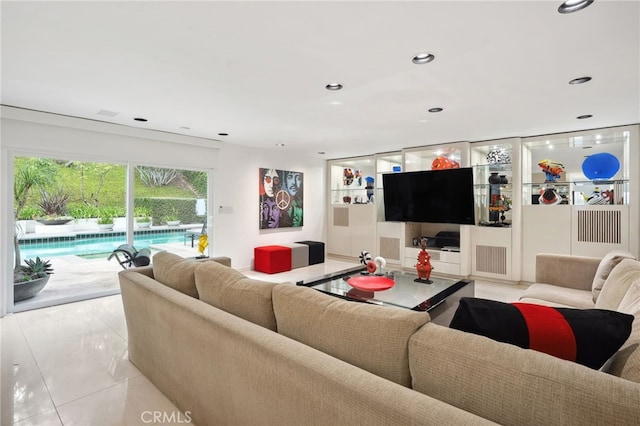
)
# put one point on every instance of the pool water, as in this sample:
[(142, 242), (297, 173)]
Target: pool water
[(93, 247)]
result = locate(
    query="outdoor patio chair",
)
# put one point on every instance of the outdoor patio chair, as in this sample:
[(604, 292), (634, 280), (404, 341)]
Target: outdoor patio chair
[(127, 256), (194, 235)]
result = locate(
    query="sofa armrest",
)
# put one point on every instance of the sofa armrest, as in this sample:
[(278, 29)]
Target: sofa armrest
[(144, 270), (510, 385), (566, 270)]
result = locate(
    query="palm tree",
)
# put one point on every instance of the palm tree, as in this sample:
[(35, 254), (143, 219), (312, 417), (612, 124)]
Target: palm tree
[(26, 177)]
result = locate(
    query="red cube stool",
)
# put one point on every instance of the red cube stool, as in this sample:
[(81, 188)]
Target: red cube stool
[(272, 259)]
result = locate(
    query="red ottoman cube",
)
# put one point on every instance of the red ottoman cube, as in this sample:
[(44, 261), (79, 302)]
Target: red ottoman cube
[(272, 259)]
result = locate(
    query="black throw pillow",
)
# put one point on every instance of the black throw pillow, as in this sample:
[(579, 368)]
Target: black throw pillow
[(586, 336)]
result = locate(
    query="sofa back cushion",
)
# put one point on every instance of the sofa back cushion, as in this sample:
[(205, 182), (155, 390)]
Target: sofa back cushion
[(175, 272), (230, 290), (608, 262), (626, 362), (617, 284), (374, 338)]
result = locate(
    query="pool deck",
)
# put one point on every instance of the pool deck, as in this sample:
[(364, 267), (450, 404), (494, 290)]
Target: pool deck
[(76, 278)]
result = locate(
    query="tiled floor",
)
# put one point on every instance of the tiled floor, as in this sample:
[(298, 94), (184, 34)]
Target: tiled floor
[(68, 364)]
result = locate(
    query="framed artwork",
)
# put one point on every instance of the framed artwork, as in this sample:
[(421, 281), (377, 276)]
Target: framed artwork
[(281, 198)]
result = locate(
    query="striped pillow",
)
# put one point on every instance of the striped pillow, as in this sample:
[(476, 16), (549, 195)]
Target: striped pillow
[(586, 336)]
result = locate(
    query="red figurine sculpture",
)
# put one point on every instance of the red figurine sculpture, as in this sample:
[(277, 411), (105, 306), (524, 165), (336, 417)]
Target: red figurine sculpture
[(423, 267)]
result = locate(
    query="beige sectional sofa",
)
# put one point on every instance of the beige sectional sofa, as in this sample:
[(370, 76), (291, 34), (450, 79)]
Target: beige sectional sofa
[(233, 350)]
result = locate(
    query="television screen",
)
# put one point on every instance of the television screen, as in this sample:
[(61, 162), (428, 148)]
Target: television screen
[(433, 196)]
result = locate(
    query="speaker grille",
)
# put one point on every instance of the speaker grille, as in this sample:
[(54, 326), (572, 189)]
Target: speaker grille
[(340, 216), (390, 248)]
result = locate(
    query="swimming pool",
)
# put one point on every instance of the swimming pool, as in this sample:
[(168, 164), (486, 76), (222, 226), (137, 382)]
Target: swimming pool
[(93, 245)]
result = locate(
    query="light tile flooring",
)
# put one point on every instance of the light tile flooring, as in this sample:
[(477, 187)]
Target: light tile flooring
[(68, 364)]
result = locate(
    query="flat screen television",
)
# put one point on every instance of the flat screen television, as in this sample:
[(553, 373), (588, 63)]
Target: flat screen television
[(433, 196)]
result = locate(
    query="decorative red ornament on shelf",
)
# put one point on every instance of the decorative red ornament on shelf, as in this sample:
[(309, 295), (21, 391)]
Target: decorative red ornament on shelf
[(423, 267)]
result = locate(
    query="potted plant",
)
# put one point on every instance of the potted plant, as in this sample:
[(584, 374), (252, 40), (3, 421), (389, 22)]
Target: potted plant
[(172, 219), (53, 204), (105, 222), (143, 217), (143, 221), (30, 279)]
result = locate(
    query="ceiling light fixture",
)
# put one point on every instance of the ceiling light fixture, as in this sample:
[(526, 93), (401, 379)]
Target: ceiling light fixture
[(423, 58), (140, 119), (333, 86), (280, 144), (570, 6), (580, 80), (435, 109), (321, 152), (582, 117), (223, 134)]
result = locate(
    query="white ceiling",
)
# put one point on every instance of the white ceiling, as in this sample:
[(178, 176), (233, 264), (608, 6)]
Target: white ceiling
[(257, 70)]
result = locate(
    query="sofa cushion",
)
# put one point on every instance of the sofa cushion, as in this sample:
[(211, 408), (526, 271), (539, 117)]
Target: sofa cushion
[(608, 262), (371, 337), (617, 283), (230, 290), (175, 272), (558, 296), (587, 336)]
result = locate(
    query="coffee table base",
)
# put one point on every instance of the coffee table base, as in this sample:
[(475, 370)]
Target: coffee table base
[(442, 313)]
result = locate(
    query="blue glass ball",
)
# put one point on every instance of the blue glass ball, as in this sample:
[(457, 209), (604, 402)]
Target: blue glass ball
[(600, 166)]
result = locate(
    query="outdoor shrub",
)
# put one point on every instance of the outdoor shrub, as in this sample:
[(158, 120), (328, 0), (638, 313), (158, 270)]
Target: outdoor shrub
[(154, 176), (29, 212), (161, 208), (83, 211), (141, 211), (53, 203)]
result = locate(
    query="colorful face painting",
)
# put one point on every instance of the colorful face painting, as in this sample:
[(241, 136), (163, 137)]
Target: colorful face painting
[(281, 198)]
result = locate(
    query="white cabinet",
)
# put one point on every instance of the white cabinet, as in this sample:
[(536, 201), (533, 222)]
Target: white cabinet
[(570, 214), (352, 229)]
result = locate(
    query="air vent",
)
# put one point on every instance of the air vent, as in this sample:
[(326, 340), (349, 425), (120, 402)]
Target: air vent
[(491, 259), (600, 226)]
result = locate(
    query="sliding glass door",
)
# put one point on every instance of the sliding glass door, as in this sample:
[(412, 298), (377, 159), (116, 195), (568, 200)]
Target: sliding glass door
[(72, 228)]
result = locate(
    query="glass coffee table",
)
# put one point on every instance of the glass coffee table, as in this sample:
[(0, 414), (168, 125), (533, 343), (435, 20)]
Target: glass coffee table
[(440, 298)]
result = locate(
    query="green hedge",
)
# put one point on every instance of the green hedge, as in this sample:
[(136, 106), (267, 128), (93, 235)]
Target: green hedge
[(161, 208)]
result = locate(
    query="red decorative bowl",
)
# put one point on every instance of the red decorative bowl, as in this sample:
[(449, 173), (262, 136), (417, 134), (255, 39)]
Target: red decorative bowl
[(371, 283)]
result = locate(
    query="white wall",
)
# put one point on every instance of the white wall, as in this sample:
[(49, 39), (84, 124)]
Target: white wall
[(235, 174), (236, 183)]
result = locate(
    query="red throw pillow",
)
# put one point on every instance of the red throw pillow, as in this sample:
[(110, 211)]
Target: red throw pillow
[(586, 336)]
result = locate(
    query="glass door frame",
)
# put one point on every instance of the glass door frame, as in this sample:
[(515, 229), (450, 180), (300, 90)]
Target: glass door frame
[(7, 221)]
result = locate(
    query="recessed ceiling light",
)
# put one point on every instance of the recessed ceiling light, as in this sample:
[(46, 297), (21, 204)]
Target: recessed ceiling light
[(423, 58), (570, 6), (279, 144), (107, 113), (223, 134), (580, 80), (140, 119), (321, 152), (333, 86), (582, 117), (435, 109)]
